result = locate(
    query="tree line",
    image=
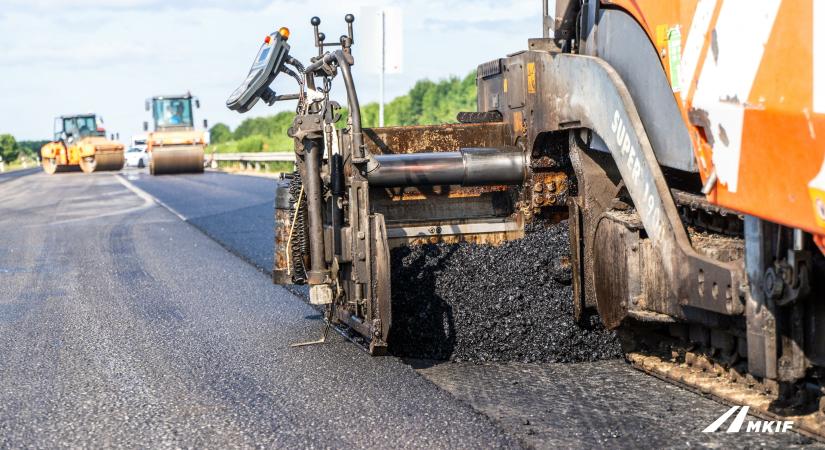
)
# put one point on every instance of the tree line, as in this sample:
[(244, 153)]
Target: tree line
[(427, 103), (11, 149)]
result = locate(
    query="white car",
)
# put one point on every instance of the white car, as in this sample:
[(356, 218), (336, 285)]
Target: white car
[(137, 157)]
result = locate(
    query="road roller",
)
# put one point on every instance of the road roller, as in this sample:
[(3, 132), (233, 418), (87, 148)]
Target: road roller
[(682, 141), (80, 143), (175, 146)]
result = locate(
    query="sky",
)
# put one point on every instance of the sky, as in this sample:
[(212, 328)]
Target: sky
[(108, 56)]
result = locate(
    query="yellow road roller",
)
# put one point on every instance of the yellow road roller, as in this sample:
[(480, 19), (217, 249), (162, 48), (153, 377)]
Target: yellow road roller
[(80, 143), (175, 146)]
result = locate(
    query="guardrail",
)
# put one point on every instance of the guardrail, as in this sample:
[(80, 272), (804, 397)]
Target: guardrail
[(250, 161)]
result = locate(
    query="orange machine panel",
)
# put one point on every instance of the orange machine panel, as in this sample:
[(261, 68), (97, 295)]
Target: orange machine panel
[(751, 85)]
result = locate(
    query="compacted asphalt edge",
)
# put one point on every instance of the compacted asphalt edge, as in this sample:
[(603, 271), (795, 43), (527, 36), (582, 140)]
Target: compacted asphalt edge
[(143, 194)]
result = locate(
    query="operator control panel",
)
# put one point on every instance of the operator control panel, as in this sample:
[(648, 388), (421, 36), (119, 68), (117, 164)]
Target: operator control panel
[(265, 68)]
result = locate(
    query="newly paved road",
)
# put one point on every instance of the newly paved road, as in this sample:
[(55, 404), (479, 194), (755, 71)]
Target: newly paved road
[(123, 324)]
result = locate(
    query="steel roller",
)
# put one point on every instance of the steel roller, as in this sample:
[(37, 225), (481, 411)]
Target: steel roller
[(180, 159), (102, 161)]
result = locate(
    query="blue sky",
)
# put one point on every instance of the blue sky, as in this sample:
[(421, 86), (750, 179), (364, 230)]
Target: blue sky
[(108, 56)]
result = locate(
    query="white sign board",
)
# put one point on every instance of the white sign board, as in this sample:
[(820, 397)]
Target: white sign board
[(369, 38)]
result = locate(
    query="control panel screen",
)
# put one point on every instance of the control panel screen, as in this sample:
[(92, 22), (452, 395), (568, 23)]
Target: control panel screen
[(265, 68), (264, 53)]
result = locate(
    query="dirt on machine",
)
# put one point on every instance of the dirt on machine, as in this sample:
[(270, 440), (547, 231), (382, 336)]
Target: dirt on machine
[(175, 145), (688, 163), (80, 143)]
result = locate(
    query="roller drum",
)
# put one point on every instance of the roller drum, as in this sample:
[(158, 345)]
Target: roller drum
[(51, 167), (178, 159), (102, 161)]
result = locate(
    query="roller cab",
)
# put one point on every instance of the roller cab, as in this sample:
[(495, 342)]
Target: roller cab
[(80, 143), (175, 145)]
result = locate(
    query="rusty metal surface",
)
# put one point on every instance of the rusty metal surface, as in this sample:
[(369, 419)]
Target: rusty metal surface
[(432, 206), (472, 238), (548, 189), (436, 138), (280, 269), (454, 232)]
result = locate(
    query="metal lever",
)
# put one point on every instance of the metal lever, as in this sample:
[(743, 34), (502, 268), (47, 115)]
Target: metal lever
[(345, 41), (322, 340)]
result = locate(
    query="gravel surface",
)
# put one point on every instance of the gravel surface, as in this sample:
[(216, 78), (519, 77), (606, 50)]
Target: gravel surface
[(469, 302)]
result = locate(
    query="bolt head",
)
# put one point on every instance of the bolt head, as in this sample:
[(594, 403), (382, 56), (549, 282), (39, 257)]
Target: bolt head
[(773, 284)]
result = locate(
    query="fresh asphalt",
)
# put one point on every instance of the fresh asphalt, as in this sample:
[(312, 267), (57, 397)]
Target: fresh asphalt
[(121, 325), (133, 312)]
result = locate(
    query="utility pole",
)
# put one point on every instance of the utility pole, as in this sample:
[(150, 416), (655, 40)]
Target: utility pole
[(383, 50), (383, 69)]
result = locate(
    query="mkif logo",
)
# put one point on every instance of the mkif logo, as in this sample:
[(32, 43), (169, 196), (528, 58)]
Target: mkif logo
[(753, 426)]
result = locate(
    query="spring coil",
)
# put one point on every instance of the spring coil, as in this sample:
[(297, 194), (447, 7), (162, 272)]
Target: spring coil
[(300, 241)]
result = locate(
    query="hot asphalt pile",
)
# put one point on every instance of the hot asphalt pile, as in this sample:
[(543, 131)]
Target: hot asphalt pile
[(469, 302)]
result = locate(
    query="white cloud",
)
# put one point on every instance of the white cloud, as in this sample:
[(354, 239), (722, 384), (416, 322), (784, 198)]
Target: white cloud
[(108, 56)]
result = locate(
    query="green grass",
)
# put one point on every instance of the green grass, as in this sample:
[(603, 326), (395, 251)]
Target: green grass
[(254, 144), (17, 164)]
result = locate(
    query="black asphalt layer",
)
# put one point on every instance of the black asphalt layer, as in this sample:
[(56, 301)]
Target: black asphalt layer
[(600, 404), (479, 303), (121, 325), (237, 211), (14, 174)]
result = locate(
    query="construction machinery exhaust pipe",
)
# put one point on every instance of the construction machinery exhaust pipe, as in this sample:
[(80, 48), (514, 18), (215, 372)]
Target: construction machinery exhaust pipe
[(466, 167)]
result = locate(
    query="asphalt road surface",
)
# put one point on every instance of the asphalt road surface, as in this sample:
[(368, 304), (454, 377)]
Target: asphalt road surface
[(127, 322)]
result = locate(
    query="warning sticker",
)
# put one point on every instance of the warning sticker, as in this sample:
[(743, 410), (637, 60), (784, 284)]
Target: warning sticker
[(674, 51), (816, 189), (531, 78)]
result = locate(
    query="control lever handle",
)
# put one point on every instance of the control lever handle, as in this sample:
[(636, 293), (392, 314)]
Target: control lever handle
[(319, 37), (345, 41), (349, 18)]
